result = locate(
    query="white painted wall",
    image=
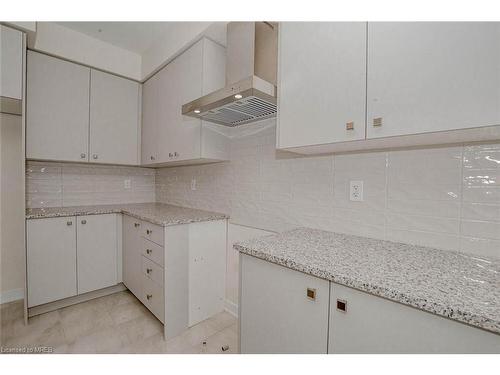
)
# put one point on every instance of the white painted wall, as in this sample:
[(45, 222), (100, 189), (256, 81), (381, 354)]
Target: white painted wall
[(26, 26), (183, 35), (11, 212), (62, 42)]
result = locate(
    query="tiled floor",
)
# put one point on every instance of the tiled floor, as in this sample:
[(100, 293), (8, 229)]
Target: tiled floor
[(117, 323)]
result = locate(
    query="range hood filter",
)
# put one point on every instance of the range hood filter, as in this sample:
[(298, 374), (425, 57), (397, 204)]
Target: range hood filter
[(241, 112)]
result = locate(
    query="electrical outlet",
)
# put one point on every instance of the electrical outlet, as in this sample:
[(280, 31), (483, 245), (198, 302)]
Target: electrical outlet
[(126, 184), (193, 183), (356, 191)]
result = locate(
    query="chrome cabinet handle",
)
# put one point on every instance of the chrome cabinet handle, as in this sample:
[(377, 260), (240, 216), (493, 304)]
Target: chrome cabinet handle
[(377, 121), (69, 223), (149, 270), (82, 155), (95, 156), (84, 221), (349, 126), (170, 155), (137, 225), (176, 154), (152, 157), (149, 296), (149, 251), (148, 231)]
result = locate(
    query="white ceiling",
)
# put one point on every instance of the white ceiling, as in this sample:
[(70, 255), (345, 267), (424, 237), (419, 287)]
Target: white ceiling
[(137, 37)]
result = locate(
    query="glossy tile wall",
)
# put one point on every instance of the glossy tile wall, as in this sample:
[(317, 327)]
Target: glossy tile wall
[(446, 197), (50, 184)]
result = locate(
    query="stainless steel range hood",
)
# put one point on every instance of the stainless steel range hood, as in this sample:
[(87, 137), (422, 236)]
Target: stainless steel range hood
[(250, 91)]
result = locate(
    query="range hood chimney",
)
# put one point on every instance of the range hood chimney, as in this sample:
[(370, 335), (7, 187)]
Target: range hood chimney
[(251, 65)]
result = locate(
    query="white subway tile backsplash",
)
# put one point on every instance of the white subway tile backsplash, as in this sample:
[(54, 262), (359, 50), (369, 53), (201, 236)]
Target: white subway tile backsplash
[(445, 197), (480, 246), (51, 184)]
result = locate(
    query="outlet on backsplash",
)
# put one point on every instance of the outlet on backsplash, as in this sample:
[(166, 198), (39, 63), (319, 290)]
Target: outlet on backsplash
[(356, 191), (126, 184), (193, 183)]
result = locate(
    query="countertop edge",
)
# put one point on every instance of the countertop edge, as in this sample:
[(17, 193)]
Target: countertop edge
[(215, 216), (469, 319)]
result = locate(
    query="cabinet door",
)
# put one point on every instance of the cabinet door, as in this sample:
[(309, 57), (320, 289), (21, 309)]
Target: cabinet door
[(276, 314), (372, 324), (150, 109), (432, 76), (96, 252), (322, 83), (57, 119), (180, 82), (132, 273), (207, 269), (114, 119), (51, 259), (11, 61)]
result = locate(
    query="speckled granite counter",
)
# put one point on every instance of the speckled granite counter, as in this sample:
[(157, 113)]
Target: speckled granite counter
[(452, 284), (156, 213)]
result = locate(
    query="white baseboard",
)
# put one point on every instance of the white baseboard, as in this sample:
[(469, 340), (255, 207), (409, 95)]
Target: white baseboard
[(11, 295), (231, 307)]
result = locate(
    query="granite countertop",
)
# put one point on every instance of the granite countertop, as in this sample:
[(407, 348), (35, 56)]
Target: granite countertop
[(455, 285), (156, 213)]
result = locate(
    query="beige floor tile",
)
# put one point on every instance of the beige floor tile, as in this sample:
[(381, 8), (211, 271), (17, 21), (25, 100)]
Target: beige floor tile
[(141, 328), (121, 313), (109, 340), (221, 320), (227, 338), (197, 333), (83, 319), (117, 323)]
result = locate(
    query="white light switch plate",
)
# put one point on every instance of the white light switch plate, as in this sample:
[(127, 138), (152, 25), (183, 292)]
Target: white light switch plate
[(356, 191), (193, 184)]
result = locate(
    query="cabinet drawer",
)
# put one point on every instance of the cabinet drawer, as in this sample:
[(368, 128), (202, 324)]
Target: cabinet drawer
[(152, 251), (152, 232), (152, 270), (153, 297)]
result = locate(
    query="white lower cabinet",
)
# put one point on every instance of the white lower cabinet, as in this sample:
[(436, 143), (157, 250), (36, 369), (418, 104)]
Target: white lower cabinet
[(97, 249), (372, 324), (207, 269), (71, 255), (51, 259), (131, 255), (286, 311), (178, 271), (281, 311)]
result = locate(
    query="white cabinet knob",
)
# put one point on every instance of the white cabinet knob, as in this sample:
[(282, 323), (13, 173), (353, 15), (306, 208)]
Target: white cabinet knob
[(95, 156), (83, 155)]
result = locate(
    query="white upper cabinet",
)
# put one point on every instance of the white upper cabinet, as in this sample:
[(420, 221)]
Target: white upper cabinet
[(180, 82), (150, 109), (432, 76), (321, 83), (11, 62), (114, 119), (75, 113), (168, 137), (57, 118)]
